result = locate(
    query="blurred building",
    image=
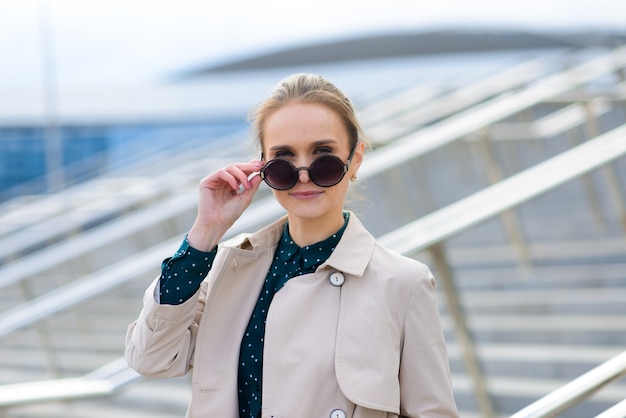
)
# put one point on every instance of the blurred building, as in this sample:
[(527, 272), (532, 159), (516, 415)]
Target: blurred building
[(103, 132)]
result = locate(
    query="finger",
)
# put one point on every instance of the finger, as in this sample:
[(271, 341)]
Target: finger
[(255, 177), (257, 163), (223, 177), (249, 167), (240, 173), (247, 193), (234, 175), (248, 170)]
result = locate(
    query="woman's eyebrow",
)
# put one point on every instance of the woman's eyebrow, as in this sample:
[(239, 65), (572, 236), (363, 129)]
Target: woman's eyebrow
[(276, 148), (313, 144), (324, 142)]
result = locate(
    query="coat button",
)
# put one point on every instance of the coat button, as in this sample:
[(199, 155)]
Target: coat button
[(337, 413), (336, 279)]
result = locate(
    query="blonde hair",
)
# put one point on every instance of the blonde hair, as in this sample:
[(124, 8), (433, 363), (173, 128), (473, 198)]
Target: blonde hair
[(306, 88)]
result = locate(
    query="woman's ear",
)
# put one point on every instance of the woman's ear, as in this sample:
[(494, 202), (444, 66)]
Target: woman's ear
[(357, 159)]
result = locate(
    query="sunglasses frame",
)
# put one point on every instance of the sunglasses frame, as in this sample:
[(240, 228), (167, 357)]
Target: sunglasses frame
[(346, 167)]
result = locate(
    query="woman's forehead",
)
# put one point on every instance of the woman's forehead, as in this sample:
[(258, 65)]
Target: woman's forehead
[(303, 123)]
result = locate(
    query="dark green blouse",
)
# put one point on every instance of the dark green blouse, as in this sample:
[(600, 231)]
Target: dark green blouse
[(183, 273)]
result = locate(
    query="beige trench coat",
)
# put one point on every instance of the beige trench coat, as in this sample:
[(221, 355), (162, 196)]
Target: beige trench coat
[(367, 343)]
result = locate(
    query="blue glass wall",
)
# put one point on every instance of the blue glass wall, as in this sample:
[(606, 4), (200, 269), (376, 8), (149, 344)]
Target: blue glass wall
[(89, 150)]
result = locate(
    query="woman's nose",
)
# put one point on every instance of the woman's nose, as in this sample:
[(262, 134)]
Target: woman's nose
[(303, 175)]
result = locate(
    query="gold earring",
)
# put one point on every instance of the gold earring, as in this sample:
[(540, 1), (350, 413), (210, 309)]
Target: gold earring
[(353, 178)]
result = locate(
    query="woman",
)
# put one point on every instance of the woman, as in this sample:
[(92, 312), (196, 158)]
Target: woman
[(308, 317)]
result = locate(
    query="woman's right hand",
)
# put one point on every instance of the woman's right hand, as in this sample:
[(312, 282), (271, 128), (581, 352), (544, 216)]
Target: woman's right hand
[(223, 196)]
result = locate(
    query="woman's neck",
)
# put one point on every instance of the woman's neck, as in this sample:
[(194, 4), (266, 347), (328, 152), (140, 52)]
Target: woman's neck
[(307, 231)]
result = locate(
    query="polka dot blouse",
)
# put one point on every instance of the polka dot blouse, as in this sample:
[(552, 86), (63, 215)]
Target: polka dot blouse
[(289, 261), (182, 274)]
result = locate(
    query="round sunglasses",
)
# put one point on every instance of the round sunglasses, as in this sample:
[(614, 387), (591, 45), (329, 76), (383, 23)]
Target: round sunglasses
[(324, 171)]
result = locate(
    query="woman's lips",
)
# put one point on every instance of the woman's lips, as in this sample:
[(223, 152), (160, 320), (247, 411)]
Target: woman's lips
[(305, 195)]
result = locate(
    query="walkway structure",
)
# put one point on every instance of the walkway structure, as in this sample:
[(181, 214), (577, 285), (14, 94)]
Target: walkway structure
[(511, 189)]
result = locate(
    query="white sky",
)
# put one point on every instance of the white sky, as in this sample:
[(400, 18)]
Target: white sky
[(107, 41)]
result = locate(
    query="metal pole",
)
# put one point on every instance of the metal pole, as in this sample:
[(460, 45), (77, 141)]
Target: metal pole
[(511, 225), (592, 196), (45, 340), (461, 331), (52, 133), (609, 172)]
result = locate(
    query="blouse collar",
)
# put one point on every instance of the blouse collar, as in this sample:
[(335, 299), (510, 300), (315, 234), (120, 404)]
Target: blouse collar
[(310, 255)]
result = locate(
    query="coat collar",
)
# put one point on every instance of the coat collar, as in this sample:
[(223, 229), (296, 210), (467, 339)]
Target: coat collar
[(354, 251), (351, 255)]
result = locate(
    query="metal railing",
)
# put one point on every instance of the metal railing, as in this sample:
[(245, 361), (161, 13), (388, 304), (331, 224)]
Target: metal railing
[(578, 390), (515, 190), (104, 381), (492, 111), (147, 184), (413, 109), (616, 411)]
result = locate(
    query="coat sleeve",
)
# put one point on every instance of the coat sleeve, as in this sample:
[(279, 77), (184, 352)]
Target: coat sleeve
[(425, 380), (160, 343)]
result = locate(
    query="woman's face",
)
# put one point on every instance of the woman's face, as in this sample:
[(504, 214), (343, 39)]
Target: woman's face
[(301, 133)]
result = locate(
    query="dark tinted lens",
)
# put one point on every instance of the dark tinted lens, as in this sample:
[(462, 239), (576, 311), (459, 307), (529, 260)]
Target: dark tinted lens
[(326, 171), (280, 174)]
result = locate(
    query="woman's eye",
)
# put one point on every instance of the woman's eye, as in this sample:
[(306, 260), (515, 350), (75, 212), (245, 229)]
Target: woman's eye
[(323, 150), (283, 154)]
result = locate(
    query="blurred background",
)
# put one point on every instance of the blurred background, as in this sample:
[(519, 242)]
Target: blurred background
[(102, 74), (498, 134)]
